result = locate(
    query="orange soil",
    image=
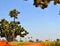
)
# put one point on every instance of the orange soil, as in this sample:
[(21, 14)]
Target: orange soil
[(4, 43)]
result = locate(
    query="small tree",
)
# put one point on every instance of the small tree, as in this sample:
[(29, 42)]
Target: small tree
[(12, 29), (37, 40)]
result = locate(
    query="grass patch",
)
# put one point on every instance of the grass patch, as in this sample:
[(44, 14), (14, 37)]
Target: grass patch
[(17, 43)]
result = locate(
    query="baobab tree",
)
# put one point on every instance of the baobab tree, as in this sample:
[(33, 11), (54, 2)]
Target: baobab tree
[(10, 30)]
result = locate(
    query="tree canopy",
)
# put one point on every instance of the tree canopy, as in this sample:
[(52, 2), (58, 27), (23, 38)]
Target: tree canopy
[(44, 3), (10, 30)]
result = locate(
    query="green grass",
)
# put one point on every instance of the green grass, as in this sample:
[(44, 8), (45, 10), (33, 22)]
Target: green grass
[(17, 43)]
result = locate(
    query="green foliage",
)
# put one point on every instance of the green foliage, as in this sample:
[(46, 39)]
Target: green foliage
[(37, 40), (14, 13), (44, 3), (31, 41), (11, 29), (56, 2)]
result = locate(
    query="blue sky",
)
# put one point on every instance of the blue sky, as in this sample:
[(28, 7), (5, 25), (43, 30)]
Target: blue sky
[(42, 24)]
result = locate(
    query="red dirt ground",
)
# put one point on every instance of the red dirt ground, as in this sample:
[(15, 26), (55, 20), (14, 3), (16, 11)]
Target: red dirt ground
[(4, 43)]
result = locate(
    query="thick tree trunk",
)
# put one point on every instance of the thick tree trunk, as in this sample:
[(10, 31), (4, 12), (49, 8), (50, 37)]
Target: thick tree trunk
[(13, 31), (9, 38)]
